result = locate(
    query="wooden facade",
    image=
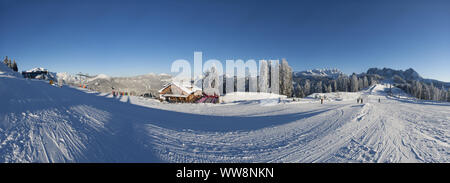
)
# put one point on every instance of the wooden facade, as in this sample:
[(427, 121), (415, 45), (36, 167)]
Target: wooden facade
[(175, 94)]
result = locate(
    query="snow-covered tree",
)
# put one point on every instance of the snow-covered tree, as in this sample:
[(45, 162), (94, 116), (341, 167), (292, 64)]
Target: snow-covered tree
[(365, 82), (334, 85), (329, 88), (299, 91), (360, 84), (14, 66), (5, 61), (448, 95), (354, 83), (318, 87), (211, 82), (417, 89), (307, 87), (286, 87), (443, 94), (263, 82)]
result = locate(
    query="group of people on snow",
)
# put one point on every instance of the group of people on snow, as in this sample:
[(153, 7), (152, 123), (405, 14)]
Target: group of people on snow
[(359, 100)]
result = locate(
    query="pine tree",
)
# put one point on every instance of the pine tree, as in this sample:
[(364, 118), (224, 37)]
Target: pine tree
[(5, 61), (443, 94), (307, 87), (417, 89), (318, 87), (448, 95), (9, 63), (365, 82), (14, 66), (285, 76), (334, 85), (299, 91)]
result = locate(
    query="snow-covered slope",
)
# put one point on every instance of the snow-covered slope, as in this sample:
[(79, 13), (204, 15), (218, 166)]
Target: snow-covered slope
[(5, 71), (138, 85), (246, 96), (43, 123)]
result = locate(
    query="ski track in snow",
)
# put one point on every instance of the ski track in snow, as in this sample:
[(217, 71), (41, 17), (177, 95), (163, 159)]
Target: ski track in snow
[(43, 123)]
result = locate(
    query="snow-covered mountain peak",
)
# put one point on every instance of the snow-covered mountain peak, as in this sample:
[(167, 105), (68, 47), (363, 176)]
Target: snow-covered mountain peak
[(37, 69), (333, 73)]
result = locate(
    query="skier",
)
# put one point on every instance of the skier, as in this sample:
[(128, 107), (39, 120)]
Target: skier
[(321, 100), (379, 100)]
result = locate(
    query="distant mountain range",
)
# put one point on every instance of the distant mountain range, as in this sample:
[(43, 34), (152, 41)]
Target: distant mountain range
[(407, 75), (331, 73), (147, 84)]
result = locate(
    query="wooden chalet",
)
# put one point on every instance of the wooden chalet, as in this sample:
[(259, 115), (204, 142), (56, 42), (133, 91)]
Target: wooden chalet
[(175, 92)]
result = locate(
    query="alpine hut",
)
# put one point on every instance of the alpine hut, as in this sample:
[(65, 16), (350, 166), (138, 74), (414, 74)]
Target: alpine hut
[(175, 92)]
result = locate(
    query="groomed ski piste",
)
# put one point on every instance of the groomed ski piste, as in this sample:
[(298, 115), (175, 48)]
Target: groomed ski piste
[(44, 123)]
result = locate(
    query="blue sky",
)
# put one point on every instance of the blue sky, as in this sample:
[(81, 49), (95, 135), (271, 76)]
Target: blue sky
[(124, 38)]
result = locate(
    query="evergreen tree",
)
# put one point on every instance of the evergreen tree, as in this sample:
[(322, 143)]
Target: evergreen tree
[(5, 61), (365, 82), (448, 95), (307, 87), (285, 75), (9, 63), (334, 85), (354, 83), (299, 92), (360, 84), (263, 82), (318, 87), (14, 66), (443, 94)]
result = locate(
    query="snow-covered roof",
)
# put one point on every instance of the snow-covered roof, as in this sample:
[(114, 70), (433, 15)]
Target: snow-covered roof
[(174, 95), (188, 88), (39, 69)]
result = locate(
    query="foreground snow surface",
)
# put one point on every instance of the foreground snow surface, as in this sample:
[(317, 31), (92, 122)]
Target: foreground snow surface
[(44, 123)]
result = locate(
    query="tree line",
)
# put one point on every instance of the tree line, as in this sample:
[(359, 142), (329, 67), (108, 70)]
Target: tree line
[(343, 83), (353, 83), (425, 91), (261, 83), (12, 65)]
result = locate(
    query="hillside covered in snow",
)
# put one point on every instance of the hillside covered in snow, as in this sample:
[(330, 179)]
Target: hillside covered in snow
[(147, 84), (40, 122)]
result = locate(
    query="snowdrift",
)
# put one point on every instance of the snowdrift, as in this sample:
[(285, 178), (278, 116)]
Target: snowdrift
[(248, 96)]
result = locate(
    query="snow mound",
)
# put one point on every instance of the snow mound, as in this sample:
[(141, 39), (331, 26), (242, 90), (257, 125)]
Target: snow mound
[(246, 96), (336, 96), (6, 71)]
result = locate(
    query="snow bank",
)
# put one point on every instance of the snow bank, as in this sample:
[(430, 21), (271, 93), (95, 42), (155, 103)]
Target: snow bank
[(6, 71), (336, 96), (243, 96)]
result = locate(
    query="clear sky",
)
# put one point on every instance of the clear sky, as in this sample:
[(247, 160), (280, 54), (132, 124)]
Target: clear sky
[(124, 38)]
